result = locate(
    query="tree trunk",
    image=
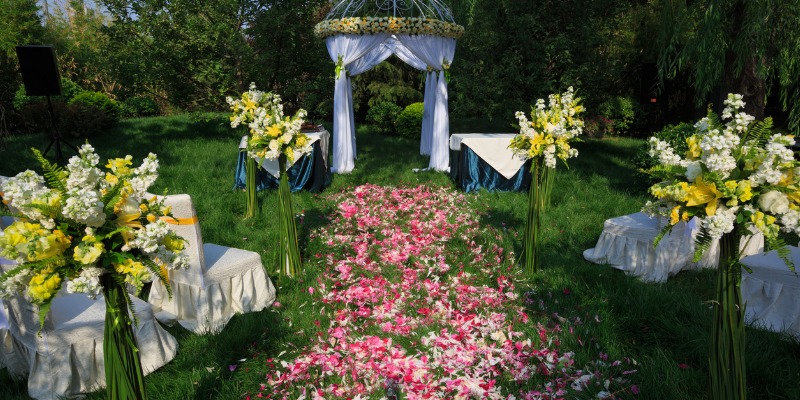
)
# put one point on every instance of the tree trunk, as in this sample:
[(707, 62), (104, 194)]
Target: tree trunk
[(747, 81)]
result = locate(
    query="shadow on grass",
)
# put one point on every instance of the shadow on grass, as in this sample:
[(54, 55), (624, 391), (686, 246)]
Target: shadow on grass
[(610, 159)]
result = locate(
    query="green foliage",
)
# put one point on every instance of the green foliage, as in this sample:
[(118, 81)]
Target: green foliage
[(99, 101), (69, 90), (19, 25), (390, 81), (623, 113), (383, 116), (740, 46), (55, 175), (409, 122), (676, 136), (598, 126), (514, 52), (140, 107)]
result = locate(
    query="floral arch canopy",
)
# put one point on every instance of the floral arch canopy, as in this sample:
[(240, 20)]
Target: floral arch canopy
[(360, 34)]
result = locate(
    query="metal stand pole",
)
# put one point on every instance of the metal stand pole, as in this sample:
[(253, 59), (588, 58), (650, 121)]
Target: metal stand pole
[(56, 136)]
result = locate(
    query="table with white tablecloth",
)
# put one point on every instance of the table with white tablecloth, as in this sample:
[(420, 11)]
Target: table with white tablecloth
[(484, 161), (307, 172)]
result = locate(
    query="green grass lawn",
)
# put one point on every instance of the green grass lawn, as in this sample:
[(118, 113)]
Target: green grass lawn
[(664, 327)]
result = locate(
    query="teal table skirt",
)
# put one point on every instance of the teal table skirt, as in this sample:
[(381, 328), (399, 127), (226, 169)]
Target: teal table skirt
[(308, 173), (471, 174)]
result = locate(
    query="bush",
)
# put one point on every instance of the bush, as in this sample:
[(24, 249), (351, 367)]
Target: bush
[(676, 136), (140, 106), (69, 90), (409, 122), (598, 126), (73, 120), (99, 101), (383, 116), (623, 113)]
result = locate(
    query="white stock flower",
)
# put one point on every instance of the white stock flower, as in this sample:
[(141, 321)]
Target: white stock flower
[(720, 223), (87, 282)]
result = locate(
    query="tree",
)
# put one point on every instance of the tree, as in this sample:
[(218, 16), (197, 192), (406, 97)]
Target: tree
[(19, 25), (76, 31), (734, 46), (516, 51), (187, 53)]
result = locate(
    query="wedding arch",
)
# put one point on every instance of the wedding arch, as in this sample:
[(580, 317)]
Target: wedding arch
[(360, 34)]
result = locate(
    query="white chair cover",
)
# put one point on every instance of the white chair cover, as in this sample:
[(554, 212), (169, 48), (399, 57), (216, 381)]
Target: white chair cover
[(67, 359), (626, 243), (772, 292), (220, 281)]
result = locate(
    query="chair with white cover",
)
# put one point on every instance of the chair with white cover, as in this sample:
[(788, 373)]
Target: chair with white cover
[(626, 243), (220, 281), (67, 359), (771, 292)]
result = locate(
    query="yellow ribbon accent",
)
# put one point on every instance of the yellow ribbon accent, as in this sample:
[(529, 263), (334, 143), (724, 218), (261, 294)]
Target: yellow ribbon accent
[(180, 221)]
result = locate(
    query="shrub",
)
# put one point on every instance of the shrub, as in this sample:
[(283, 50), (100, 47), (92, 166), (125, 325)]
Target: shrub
[(384, 116), (597, 126), (73, 120), (409, 122), (623, 113), (676, 136), (69, 90), (100, 101), (140, 106)]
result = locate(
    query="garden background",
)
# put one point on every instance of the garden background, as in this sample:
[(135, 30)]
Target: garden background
[(158, 73)]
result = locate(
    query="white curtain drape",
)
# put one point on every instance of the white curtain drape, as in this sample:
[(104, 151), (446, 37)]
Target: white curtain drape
[(367, 62), (436, 51), (403, 53), (350, 48)]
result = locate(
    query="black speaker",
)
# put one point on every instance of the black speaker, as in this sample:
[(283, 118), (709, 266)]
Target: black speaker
[(39, 70)]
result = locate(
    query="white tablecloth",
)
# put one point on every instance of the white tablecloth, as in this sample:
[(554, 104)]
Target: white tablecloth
[(271, 166), (626, 243), (772, 291), (492, 148)]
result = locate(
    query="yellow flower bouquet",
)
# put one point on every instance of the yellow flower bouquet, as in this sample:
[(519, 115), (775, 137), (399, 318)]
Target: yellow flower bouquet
[(737, 178), (94, 232), (542, 139)]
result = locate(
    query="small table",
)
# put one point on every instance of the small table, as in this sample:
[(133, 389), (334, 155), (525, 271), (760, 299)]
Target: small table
[(484, 161), (309, 172)]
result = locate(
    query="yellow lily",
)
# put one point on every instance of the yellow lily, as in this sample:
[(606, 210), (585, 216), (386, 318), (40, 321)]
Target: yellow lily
[(704, 193)]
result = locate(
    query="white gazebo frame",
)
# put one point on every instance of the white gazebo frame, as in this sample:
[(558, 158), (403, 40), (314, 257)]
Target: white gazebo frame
[(422, 33)]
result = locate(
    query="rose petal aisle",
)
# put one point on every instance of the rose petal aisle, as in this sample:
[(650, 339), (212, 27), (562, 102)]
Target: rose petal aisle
[(403, 315)]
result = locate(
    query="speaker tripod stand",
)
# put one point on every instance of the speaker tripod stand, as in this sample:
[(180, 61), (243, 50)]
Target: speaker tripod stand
[(56, 140)]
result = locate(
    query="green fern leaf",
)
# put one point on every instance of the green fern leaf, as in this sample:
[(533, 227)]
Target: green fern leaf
[(702, 243), (55, 176), (156, 270)]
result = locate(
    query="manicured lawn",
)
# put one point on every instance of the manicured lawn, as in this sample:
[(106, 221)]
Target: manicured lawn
[(588, 309)]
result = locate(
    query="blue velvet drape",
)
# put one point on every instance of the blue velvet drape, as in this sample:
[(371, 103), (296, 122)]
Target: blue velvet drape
[(471, 174), (309, 172)]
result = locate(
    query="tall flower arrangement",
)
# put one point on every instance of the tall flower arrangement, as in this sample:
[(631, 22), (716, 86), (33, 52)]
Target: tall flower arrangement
[(737, 178), (274, 135), (243, 113), (98, 232), (543, 139)]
